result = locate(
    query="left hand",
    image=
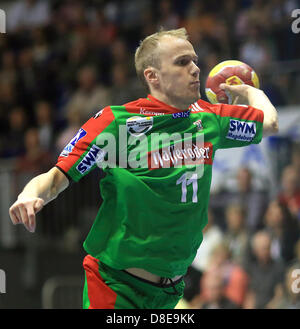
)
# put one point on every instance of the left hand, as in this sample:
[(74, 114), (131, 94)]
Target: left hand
[(239, 93)]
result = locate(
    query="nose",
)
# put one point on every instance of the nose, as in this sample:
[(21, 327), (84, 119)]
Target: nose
[(195, 70)]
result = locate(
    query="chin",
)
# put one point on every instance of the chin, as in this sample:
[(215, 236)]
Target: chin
[(194, 98)]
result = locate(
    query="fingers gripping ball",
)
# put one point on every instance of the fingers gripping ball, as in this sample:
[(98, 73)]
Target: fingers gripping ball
[(232, 73)]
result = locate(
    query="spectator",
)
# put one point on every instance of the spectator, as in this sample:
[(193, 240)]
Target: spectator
[(265, 274), (13, 140), (120, 55), (28, 85), (214, 286), (8, 100), (45, 125), (283, 230), (8, 71), (255, 51), (290, 190), (236, 235), (123, 87), (244, 192), (90, 95), (76, 57), (34, 160), (234, 276), (212, 236)]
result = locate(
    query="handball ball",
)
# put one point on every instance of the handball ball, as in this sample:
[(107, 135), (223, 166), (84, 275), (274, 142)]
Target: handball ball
[(232, 73)]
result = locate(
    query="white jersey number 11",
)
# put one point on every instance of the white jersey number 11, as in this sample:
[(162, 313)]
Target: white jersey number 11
[(185, 181)]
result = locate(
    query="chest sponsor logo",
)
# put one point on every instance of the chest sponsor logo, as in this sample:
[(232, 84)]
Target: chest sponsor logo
[(68, 149), (241, 130), (177, 155), (184, 114), (94, 155), (137, 126)]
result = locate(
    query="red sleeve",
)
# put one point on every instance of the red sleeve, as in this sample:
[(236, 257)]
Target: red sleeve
[(83, 141), (242, 112)]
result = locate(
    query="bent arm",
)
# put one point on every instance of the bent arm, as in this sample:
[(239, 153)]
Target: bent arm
[(258, 99), (38, 192)]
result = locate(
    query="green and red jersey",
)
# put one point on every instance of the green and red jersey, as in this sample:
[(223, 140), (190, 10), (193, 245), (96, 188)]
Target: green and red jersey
[(152, 215)]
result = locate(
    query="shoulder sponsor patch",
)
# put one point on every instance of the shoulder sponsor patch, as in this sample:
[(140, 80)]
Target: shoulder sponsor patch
[(68, 149), (94, 156), (241, 130)]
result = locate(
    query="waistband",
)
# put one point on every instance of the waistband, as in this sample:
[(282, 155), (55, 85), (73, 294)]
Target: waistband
[(166, 285), (163, 282)]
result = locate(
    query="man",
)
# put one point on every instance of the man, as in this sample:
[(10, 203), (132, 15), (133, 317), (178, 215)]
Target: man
[(149, 226)]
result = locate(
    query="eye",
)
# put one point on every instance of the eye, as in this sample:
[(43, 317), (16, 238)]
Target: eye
[(182, 62)]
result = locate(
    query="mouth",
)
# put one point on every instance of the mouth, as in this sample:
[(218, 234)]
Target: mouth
[(195, 84)]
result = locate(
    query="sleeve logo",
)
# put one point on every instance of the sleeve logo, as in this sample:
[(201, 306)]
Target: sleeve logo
[(68, 149), (98, 114), (241, 130), (94, 156)]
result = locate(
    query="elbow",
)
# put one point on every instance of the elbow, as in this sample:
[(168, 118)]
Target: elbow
[(274, 127)]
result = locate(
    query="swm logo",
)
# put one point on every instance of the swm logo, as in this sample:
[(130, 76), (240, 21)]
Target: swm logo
[(296, 22), (2, 282), (2, 21)]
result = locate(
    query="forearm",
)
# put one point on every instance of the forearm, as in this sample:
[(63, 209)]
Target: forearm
[(259, 100), (245, 94), (46, 186)]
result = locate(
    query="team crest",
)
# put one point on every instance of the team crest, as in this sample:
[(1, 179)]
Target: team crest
[(198, 125)]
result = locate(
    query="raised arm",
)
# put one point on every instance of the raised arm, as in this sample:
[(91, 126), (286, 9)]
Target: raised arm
[(244, 94), (37, 193)]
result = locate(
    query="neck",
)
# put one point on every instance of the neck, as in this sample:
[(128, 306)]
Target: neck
[(169, 101)]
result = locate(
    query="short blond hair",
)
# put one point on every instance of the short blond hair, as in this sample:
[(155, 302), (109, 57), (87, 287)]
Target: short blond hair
[(146, 54)]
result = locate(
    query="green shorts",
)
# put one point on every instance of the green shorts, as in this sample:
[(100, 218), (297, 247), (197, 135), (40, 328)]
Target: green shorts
[(108, 288)]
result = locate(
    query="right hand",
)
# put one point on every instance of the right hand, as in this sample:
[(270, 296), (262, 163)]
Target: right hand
[(23, 211)]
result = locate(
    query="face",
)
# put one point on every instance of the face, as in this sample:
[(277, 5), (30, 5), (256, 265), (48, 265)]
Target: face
[(262, 245), (274, 216), (178, 76)]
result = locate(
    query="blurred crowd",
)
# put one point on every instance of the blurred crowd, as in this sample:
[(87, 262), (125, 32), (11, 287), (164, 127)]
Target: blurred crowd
[(61, 61), (250, 254)]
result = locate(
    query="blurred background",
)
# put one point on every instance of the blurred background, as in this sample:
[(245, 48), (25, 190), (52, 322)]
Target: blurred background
[(62, 61)]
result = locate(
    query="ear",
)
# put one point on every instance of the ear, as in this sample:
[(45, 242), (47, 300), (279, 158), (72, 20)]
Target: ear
[(151, 76)]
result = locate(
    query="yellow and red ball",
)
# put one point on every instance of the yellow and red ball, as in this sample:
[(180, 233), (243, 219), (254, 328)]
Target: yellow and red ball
[(231, 72)]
